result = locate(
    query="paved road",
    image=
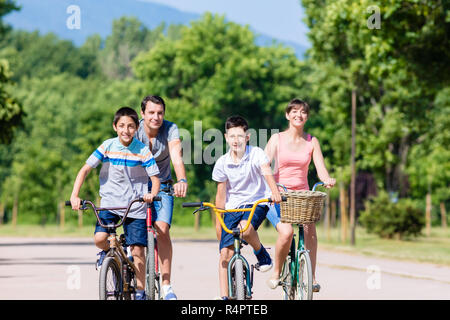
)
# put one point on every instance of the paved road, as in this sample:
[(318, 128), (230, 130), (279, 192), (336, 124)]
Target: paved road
[(62, 269)]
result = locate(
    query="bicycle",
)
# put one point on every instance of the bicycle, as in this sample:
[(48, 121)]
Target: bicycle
[(296, 275), (152, 276), (240, 275), (117, 279)]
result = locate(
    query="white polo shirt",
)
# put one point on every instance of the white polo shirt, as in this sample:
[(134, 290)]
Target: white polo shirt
[(245, 181)]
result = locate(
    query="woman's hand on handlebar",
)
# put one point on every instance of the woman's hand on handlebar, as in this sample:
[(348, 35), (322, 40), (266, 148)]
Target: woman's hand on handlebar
[(329, 183), (276, 197)]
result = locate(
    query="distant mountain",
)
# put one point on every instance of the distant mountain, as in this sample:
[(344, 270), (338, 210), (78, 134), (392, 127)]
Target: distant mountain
[(97, 16)]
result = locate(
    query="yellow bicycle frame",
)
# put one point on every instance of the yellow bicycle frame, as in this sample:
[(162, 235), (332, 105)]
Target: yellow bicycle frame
[(219, 212)]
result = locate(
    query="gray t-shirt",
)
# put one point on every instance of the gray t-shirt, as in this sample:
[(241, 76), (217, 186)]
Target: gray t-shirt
[(160, 145)]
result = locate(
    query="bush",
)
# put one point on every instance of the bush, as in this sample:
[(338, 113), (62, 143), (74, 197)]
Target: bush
[(388, 219)]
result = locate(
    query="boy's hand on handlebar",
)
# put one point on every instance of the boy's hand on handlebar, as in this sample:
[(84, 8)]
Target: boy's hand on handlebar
[(148, 197), (75, 202)]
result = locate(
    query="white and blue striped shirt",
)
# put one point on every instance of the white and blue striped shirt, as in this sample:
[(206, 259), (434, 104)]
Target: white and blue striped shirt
[(124, 174)]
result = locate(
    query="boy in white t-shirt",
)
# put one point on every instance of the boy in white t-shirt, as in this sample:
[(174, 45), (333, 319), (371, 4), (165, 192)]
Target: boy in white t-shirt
[(243, 176)]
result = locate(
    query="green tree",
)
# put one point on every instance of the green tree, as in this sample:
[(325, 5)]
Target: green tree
[(11, 112), (213, 71)]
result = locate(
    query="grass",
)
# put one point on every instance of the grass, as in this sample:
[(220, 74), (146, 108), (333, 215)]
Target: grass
[(432, 249)]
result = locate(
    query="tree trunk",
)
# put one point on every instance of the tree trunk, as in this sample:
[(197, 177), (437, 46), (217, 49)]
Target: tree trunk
[(326, 222), (2, 213), (443, 215), (353, 171), (333, 213), (428, 214), (15, 211), (62, 215), (197, 222), (343, 207), (80, 219)]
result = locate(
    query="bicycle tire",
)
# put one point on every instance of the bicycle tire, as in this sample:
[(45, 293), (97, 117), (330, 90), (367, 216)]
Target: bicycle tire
[(150, 268), (304, 277), (239, 279), (110, 280), (286, 280)]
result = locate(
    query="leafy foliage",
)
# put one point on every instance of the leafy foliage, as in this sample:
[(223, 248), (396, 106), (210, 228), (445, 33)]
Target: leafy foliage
[(390, 219)]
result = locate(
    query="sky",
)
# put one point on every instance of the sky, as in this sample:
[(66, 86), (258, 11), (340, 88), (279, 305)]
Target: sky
[(281, 19)]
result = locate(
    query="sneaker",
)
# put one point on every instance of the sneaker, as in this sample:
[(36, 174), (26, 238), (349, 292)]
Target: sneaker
[(101, 256), (168, 293), (221, 298), (264, 261), (140, 295)]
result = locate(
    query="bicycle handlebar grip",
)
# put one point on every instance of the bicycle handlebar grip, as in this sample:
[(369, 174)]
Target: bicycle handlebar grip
[(191, 204), (69, 204), (157, 198), (283, 198)]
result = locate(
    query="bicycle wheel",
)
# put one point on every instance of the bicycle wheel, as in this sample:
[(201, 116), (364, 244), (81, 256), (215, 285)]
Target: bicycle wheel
[(110, 280), (238, 279), (304, 277), (286, 280), (287, 272), (150, 268)]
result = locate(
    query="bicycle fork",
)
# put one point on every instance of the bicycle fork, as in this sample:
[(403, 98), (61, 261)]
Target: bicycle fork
[(248, 272)]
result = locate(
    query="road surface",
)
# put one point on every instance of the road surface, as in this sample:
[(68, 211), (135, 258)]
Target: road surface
[(63, 269)]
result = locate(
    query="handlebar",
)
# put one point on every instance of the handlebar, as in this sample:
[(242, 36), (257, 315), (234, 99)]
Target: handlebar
[(84, 204), (206, 205)]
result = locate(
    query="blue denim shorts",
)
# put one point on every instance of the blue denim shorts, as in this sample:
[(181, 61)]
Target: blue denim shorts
[(273, 215), (232, 219), (135, 229), (162, 210)]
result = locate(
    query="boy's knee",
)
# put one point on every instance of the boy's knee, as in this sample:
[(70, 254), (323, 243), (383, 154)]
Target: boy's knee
[(100, 239), (225, 255)]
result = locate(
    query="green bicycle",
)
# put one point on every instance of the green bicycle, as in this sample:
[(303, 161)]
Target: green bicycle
[(296, 276)]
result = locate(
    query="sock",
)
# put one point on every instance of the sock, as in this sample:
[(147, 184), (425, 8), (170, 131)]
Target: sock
[(259, 251), (167, 288)]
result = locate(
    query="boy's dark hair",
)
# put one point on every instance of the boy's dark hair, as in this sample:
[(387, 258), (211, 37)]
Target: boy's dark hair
[(236, 121), (298, 102), (154, 99), (126, 111)]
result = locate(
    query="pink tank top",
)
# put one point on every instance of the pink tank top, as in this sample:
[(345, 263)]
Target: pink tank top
[(293, 165)]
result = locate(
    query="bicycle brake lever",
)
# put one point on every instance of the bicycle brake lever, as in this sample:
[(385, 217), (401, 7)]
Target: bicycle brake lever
[(200, 209)]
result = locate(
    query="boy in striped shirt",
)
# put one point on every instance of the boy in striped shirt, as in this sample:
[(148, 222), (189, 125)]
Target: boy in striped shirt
[(127, 164)]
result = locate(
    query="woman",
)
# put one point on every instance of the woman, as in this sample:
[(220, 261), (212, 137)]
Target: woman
[(292, 150)]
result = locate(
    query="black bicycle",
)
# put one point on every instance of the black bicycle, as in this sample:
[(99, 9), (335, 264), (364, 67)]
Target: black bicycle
[(117, 280)]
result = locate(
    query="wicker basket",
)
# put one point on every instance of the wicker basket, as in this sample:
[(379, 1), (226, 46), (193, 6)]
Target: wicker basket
[(302, 207)]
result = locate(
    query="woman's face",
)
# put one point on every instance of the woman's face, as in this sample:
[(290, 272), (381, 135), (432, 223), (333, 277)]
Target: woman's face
[(297, 117)]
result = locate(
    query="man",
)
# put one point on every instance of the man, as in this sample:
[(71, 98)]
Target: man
[(162, 138)]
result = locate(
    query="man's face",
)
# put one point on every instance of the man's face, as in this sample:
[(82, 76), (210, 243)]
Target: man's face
[(153, 115), (237, 139)]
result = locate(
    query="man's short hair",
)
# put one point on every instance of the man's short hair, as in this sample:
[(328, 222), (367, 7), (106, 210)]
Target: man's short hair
[(126, 111), (155, 100), (236, 121), (298, 103)]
